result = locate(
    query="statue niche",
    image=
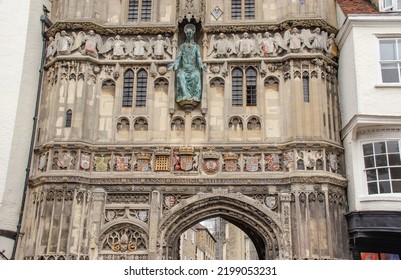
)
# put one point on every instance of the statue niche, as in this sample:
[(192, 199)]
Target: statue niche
[(188, 66)]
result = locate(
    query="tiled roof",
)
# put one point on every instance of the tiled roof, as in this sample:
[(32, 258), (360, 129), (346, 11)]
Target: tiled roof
[(357, 7)]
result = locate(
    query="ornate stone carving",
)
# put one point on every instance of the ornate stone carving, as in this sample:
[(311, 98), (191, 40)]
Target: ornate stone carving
[(112, 214), (142, 162), (169, 201), (273, 162), (120, 256), (332, 159), (102, 163), (198, 124), (161, 48), (177, 124), (109, 30), (230, 162), (116, 46), (64, 160), (190, 9), (252, 163), (122, 163), (127, 198), (63, 43), (220, 47), (246, 46), (271, 201), (235, 124), (310, 158), (92, 43), (124, 238), (186, 159), (139, 48), (210, 162), (85, 161), (254, 123), (42, 165)]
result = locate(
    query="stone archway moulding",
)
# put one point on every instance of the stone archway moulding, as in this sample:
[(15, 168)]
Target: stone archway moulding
[(265, 227)]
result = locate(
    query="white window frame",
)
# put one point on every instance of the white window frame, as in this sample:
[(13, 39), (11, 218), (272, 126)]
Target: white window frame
[(397, 41), (376, 167), (390, 5)]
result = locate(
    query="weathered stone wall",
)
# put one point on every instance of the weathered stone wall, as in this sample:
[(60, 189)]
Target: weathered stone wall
[(148, 167)]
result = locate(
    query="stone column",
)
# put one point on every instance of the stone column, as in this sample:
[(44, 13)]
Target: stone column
[(205, 80), (285, 199), (154, 217), (98, 201), (188, 129)]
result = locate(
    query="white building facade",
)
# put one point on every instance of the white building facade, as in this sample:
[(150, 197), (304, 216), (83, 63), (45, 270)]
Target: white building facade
[(21, 46), (370, 87)]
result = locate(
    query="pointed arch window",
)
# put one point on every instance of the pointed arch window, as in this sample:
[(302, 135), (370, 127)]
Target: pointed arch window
[(305, 85), (244, 87), (68, 118), (237, 81), (250, 87), (139, 10), (128, 88), (141, 88)]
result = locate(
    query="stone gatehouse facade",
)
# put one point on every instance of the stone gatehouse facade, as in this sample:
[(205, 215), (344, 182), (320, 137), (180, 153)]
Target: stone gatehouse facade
[(121, 169)]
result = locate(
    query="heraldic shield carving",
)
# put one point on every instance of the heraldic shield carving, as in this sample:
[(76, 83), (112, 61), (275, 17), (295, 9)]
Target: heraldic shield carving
[(85, 161), (184, 160), (252, 164), (210, 162), (143, 162), (101, 163), (230, 162)]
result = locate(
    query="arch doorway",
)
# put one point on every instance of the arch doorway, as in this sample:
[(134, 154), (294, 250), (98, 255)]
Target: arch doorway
[(261, 224), (216, 239)]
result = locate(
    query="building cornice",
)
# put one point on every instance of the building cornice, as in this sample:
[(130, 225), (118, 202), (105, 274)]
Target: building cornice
[(360, 121), (355, 20), (156, 28), (149, 183)]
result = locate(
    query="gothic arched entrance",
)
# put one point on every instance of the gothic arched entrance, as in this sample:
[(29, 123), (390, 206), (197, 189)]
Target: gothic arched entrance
[(260, 223)]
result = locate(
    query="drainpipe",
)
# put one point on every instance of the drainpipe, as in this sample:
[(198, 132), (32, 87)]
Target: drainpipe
[(45, 23)]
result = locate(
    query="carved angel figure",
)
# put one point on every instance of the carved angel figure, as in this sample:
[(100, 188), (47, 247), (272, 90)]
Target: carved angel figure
[(315, 40), (160, 47), (221, 47), (332, 48), (92, 43), (319, 40), (137, 48), (282, 42), (268, 45), (246, 46), (63, 43), (116, 45), (295, 40), (51, 48)]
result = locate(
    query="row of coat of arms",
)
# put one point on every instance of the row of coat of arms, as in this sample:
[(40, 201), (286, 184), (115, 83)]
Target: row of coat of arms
[(186, 159)]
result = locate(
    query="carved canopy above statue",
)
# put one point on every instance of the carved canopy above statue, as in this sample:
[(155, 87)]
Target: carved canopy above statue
[(190, 9)]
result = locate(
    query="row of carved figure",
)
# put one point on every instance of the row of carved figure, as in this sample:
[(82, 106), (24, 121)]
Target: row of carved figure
[(270, 45), (114, 48), (219, 46)]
